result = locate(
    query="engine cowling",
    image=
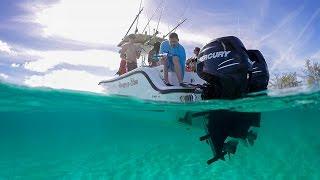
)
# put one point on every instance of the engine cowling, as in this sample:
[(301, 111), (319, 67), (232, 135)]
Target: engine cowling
[(225, 65), (259, 78)]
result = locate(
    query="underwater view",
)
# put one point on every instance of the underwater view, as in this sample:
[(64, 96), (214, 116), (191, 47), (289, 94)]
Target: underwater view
[(60, 134), (158, 89)]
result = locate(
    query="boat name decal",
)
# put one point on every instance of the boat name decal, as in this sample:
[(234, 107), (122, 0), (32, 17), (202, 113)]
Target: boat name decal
[(132, 82), (214, 55)]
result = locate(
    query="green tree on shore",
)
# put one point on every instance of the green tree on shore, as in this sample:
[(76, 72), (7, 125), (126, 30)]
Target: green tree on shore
[(286, 80), (312, 73)]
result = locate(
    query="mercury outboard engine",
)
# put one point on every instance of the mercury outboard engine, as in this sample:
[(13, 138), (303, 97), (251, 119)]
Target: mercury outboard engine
[(259, 77), (224, 65)]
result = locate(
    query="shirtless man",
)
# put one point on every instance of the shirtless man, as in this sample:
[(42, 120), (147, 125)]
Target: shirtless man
[(131, 52)]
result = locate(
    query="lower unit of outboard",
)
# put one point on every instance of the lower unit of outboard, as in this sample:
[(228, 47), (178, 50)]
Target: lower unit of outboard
[(221, 124), (231, 72)]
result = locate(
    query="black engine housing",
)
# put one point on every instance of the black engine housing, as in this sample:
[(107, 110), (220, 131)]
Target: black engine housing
[(259, 77), (225, 65)]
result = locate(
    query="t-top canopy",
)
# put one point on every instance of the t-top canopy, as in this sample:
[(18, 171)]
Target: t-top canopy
[(142, 39)]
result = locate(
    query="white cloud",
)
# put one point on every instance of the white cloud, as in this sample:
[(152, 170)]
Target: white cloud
[(194, 38), (4, 47), (67, 79), (99, 21), (50, 59), (3, 76), (94, 21), (89, 22), (14, 65)]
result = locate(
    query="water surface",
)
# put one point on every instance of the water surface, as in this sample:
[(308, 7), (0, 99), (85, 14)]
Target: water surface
[(58, 134)]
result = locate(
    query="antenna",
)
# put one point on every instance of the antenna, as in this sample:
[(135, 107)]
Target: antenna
[(138, 18), (159, 19)]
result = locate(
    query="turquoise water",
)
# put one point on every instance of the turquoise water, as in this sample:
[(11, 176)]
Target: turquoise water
[(55, 134)]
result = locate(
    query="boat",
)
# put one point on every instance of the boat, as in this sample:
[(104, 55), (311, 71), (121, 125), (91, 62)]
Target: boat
[(225, 70), (147, 83)]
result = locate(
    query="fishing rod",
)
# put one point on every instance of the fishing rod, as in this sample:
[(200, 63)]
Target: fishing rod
[(133, 23), (156, 33), (159, 19), (149, 20), (179, 24), (135, 32)]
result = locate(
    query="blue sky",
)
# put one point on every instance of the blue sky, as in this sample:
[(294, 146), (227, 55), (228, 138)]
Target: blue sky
[(72, 44)]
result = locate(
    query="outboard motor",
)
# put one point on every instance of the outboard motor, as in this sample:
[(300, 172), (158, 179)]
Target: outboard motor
[(259, 77), (224, 65)]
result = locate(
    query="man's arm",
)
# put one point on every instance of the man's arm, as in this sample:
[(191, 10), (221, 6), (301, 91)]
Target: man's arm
[(164, 48), (189, 60), (138, 51), (183, 54), (150, 55), (123, 50)]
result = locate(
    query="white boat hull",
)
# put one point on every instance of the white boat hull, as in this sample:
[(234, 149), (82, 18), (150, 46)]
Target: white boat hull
[(147, 83)]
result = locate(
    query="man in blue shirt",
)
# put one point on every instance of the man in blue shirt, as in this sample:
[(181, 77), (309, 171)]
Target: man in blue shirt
[(175, 59)]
